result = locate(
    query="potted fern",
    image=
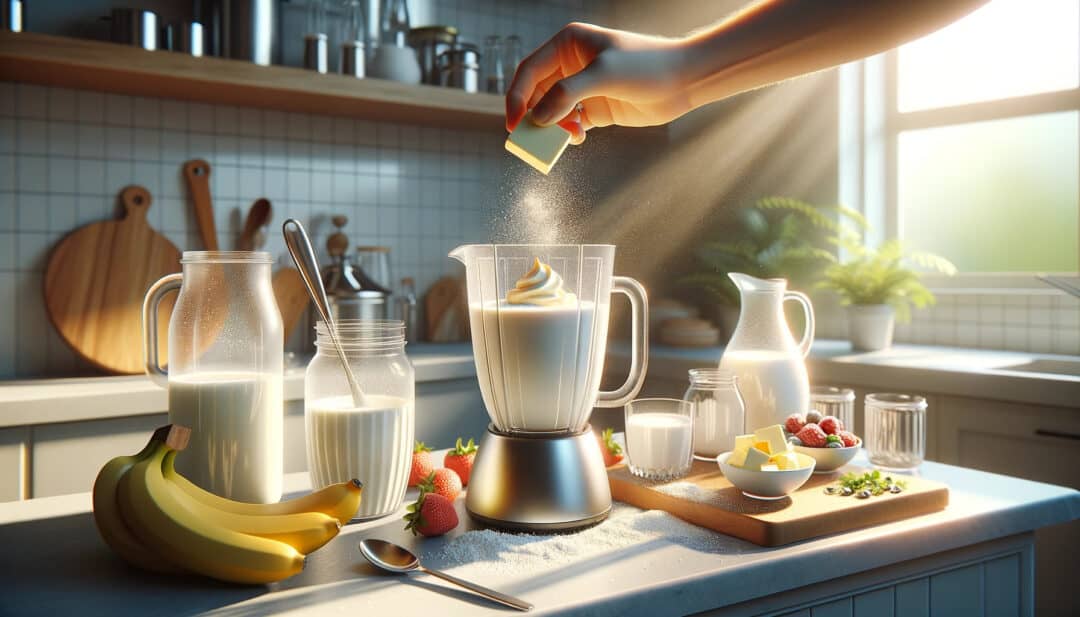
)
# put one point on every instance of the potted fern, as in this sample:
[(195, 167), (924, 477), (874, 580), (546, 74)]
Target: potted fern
[(777, 237), (879, 287)]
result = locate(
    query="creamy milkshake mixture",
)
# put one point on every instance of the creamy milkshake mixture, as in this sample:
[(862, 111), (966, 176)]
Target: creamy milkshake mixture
[(534, 366)]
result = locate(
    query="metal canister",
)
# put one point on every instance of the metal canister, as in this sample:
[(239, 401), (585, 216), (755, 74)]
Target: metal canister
[(134, 27), (429, 42), (351, 293), (460, 67), (12, 16), (250, 30), (186, 37)]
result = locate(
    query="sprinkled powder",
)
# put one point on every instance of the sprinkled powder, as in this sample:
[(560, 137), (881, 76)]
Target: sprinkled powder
[(511, 553)]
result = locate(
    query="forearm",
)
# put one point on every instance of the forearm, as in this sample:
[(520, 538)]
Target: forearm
[(774, 40)]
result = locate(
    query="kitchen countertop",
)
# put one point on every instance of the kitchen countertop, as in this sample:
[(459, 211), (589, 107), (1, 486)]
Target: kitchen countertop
[(43, 401), (58, 565), (978, 373)]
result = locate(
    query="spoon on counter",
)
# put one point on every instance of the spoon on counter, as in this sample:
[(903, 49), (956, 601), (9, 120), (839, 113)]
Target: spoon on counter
[(299, 245), (397, 559)]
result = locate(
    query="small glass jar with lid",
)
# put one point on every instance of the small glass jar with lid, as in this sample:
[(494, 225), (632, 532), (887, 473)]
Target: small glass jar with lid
[(719, 411), (836, 402), (369, 440)]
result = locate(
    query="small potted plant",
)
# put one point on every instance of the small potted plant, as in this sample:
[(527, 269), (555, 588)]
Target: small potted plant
[(777, 237), (879, 287)]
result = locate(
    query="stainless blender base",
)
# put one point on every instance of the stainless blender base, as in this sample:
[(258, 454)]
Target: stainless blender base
[(551, 482)]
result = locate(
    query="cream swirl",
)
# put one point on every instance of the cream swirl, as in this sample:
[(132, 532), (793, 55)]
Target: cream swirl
[(540, 286)]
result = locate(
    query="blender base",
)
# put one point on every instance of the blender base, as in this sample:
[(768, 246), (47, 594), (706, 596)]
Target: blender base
[(538, 482)]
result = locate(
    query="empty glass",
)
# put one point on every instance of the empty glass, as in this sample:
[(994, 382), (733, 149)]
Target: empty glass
[(659, 437), (833, 401), (895, 433), (494, 75), (512, 57), (719, 412)]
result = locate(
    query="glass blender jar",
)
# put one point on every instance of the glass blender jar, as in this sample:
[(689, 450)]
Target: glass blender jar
[(539, 323)]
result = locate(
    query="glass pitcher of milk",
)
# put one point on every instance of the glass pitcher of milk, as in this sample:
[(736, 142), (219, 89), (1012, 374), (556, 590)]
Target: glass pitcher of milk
[(763, 355), (225, 371)]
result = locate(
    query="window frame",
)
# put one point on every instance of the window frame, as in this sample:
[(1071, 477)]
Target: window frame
[(869, 125)]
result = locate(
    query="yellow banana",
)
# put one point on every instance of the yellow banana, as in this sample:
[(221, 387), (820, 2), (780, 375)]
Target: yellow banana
[(340, 500), (107, 517), (304, 531), (168, 526)]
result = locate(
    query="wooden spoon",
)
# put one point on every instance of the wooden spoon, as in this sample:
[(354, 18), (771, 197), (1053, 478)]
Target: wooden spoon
[(197, 173), (258, 216)]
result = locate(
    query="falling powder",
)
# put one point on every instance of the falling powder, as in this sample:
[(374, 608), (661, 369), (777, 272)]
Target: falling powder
[(627, 527)]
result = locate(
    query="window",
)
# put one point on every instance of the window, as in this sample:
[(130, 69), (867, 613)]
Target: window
[(966, 143)]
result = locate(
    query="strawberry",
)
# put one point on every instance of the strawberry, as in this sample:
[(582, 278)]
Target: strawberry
[(831, 425), (460, 459), (431, 515), (445, 482), (612, 451), (422, 465), (794, 423), (849, 438), (812, 436)]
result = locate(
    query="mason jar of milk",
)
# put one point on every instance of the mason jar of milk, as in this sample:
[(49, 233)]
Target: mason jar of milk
[(370, 440), (224, 374)]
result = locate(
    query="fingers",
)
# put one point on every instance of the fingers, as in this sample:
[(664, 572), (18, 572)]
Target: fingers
[(532, 71), (564, 94)]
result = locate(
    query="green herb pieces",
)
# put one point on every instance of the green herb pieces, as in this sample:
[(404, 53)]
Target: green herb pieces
[(870, 483)]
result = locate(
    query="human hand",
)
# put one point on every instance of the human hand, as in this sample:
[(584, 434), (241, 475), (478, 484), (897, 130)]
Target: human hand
[(617, 77)]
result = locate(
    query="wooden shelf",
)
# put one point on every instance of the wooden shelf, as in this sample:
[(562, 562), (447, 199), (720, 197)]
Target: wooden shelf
[(77, 63)]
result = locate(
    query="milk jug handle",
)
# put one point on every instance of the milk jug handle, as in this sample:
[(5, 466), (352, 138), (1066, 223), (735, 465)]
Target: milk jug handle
[(808, 311), (153, 298), (639, 343)]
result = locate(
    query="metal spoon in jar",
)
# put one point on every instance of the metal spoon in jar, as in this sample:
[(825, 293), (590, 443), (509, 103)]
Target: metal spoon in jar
[(393, 558), (299, 245)]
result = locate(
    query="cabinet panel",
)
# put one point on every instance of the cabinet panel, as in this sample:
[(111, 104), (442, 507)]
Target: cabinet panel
[(14, 451), (913, 598), (877, 603), (1002, 594), (836, 608), (957, 593), (66, 457)]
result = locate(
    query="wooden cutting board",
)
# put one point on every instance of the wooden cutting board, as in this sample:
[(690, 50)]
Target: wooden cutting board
[(95, 282), (712, 502)]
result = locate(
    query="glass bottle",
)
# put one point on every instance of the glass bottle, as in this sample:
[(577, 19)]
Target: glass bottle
[(315, 39), (371, 442), (395, 23), (494, 76), (351, 34), (719, 412), (224, 371)]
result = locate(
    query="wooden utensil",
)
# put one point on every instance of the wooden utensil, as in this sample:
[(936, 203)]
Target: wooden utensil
[(446, 311), (712, 502), (197, 173), (95, 281), (258, 216), (291, 294)]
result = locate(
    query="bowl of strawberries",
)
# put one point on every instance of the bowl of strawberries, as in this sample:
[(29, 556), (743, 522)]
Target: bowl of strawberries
[(823, 438)]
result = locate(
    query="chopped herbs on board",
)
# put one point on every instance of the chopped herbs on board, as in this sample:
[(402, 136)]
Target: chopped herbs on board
[(865, 485)]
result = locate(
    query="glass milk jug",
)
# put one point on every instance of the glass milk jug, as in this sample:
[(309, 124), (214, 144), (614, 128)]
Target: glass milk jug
[(225, 371), (763, 355)]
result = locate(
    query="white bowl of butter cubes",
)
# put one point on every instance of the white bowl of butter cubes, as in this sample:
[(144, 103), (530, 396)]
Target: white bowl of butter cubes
[(764, 465)]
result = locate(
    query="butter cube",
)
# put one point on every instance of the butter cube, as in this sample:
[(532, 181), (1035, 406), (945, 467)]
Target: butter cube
[(785, 460), (539, 146), (775, 436), (755, 459), (743, 443)]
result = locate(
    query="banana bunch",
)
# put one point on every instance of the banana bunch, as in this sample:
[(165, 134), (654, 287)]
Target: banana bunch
[(158, 520)]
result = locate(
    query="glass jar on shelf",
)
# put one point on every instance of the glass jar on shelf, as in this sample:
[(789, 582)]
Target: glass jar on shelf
[(494, 75), (719, 411)]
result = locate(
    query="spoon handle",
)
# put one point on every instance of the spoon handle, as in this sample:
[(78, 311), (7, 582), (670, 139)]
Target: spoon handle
[(299, 245), (490, 594)]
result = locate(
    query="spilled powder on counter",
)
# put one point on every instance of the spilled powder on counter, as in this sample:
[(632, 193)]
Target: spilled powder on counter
[(728, 499), (511, 553)]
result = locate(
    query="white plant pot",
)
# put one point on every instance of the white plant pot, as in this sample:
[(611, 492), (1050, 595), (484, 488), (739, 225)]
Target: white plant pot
[(870, 326)]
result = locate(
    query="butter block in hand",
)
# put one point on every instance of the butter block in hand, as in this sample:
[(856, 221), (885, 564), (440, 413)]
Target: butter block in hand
[(539, 146)]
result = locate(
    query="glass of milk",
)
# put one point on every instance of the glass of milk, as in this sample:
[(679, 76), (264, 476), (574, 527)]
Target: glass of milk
[(371, 442), (659, 437)]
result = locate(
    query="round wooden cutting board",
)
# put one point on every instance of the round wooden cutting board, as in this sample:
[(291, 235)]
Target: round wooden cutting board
[(95, 282)]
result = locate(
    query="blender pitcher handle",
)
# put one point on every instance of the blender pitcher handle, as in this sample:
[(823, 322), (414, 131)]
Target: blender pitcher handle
[(808, 311), (639, 343), (154, 295)]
